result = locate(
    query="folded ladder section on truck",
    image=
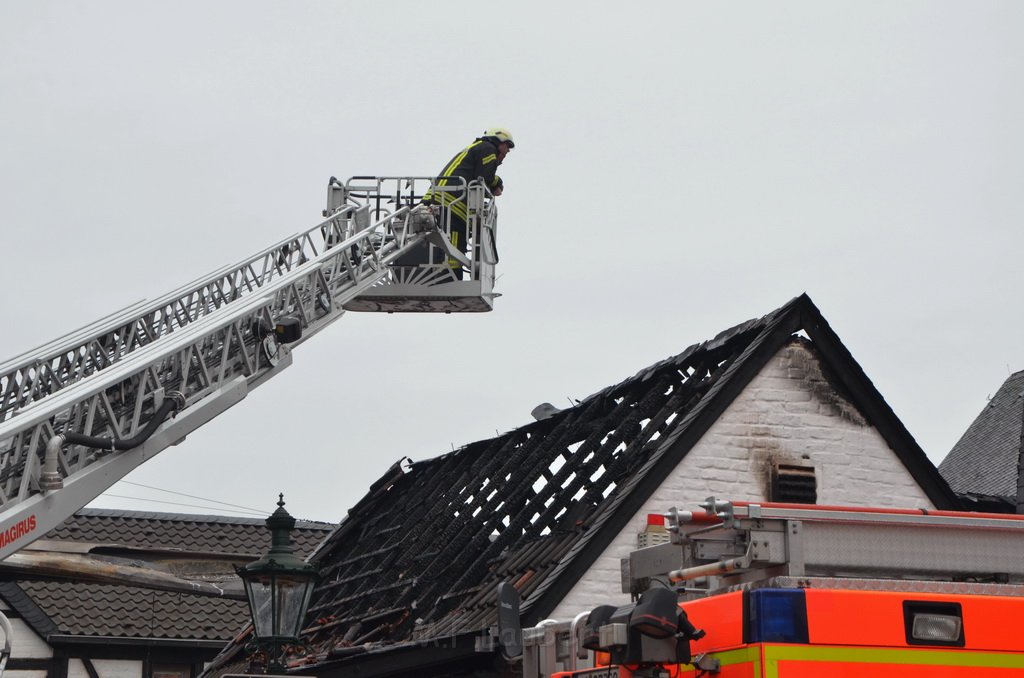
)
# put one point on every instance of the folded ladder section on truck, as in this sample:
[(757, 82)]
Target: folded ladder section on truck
[(735, 543)]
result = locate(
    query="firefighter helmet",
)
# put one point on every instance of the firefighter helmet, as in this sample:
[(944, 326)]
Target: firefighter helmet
[(502, 135)]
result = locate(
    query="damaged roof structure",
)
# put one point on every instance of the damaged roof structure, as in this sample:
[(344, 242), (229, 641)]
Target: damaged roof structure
[(986, 466), (130, 586), (409, 578)]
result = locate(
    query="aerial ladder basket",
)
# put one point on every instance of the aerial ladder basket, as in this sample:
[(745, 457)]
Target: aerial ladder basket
[(436, 276)]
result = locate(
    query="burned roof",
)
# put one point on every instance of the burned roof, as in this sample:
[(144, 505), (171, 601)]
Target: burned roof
[(57, 608), (419, 557), (984, 463)]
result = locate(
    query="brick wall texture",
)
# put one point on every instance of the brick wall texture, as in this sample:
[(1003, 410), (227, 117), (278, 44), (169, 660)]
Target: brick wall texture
[(789, 413)]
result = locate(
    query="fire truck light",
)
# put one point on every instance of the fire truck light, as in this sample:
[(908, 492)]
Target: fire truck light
[(932, 622), (936, 628), (777, 616)]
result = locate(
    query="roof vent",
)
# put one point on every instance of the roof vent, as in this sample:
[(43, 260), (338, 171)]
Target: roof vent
[(543, 411), (793, 484)]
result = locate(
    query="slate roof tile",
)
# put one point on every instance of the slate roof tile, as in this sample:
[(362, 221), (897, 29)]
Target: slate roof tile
[(985, 459)]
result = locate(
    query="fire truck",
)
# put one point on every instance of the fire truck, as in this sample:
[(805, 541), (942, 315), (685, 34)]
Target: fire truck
[(79, 413), (769, 590)]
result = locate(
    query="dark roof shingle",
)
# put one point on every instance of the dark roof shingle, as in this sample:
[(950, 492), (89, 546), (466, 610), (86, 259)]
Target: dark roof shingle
[(985, 459), (84, 609), (193, 533), (92, 609)]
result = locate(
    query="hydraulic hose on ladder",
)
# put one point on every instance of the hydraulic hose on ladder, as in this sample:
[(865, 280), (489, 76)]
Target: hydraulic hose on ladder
[(50, 478)]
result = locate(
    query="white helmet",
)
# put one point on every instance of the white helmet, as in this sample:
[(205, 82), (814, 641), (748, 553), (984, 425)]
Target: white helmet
[(501, 134)]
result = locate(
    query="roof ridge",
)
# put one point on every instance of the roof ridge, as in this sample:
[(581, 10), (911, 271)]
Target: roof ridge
[(192, 518), (715, 343)]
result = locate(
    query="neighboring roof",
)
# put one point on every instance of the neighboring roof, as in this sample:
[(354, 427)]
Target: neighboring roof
[(85, 609), (182, 531), (986, 459), (204, 545), (419, 557)]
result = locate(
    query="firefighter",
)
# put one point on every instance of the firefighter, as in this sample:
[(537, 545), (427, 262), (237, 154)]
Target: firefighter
[(476, 162)]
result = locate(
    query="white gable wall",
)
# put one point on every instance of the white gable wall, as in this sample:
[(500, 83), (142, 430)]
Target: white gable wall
[(25, 643), (789, 414)]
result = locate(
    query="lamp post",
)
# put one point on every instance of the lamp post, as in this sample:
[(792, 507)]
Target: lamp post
[(278, 587)]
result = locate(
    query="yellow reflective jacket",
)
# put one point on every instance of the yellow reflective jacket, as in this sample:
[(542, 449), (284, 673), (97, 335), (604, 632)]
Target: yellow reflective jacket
[(479, 160)]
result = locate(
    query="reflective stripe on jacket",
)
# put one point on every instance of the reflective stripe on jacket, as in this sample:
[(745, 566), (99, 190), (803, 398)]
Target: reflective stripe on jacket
[(479, 160)]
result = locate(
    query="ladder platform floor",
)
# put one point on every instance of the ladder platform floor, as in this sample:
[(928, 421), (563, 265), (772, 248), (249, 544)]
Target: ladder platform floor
[(462, 296)]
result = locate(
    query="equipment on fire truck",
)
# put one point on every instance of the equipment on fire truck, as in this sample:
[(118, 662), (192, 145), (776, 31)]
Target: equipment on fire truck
[(79, 413), (654, 629), (794, 590)]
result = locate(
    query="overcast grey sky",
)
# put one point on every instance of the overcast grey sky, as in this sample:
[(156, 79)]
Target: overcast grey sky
[(679, 168)]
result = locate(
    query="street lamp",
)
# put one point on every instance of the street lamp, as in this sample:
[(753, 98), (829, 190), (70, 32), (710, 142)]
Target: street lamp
[(278, 587)]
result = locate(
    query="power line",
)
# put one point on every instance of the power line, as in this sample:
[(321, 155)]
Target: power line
[(192, 496), (173, 503)]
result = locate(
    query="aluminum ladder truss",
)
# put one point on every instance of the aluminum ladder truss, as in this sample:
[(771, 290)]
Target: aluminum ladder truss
[(177, 362)]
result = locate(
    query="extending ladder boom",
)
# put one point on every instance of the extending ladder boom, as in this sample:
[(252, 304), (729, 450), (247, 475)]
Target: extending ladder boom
[(79, 413), (61, 363)]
